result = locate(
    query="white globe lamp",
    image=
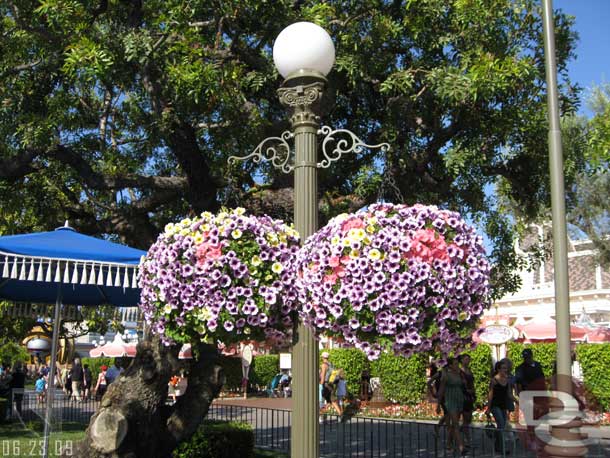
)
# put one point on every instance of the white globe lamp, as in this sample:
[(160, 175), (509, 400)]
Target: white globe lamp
[(303, 46)]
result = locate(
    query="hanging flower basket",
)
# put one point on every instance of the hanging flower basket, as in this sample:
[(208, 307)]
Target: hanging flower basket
[(222, 277), (408, 278)]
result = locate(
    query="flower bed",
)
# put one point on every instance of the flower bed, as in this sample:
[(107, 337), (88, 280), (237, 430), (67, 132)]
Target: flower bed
[(222, 277), (407, 278)]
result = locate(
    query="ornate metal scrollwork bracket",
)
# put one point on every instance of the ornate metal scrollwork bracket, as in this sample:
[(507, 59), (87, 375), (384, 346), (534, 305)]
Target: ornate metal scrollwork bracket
[(344, 141), (272, 149), (335, 144)]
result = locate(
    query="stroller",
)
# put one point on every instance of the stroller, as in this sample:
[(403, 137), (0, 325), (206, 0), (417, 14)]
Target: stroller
[(273, 386)]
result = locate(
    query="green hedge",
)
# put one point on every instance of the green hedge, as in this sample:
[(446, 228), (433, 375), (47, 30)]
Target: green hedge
[(95, 365), (403, 380), (216, 439), (481, 367), (264, 368), (544, 353), (353, 362), (594, 361)]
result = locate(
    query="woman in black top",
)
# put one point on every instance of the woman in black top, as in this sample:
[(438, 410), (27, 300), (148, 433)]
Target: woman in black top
[(469, 395), (498, 401)]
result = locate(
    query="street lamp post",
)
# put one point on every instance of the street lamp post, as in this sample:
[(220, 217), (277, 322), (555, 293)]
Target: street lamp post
[(566, 438), (304, 54)]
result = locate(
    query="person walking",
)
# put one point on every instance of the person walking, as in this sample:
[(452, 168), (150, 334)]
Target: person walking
[(451, 393), (529, 376), (102, 384), (113, 372), (87, 380), (77, 377), (498, 399), (40, 387), (434, 385), (511, 389), (325, 387), (469, 396), (17, 385)]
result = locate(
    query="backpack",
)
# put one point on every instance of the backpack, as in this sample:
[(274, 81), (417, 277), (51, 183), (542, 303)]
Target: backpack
[(333, 376), (328, 373)]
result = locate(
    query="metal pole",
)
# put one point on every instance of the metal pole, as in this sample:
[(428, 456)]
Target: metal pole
[(301, 93), (51, 389), (560, 240)]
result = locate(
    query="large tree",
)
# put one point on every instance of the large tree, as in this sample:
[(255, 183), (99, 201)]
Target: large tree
[(120, 116)]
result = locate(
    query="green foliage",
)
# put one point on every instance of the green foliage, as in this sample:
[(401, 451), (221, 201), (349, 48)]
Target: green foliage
[(544, 353), (232, 371), (13, 329), (216, 439), (12, 353), (95, 364), (264, 368), (594, 361), (403, 380), (481, 367), (120, 112), (353, 362)]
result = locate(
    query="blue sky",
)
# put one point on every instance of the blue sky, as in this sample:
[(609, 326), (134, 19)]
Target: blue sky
[(591, 65)]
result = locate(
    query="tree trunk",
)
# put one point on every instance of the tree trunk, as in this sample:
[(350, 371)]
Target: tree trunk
[(133, 419)]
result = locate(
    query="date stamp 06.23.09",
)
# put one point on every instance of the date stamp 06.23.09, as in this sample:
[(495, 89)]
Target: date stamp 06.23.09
[(33, 448)]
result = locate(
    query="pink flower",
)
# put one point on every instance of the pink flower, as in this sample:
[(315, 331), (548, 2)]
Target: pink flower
[(215, 252), (354, 223), (345, 259), (339, 271), (425, 235), (331, 278), (334, 261)]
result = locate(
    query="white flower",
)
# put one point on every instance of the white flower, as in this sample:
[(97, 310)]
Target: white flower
[(277, 268), (236, 234), (374, 254)]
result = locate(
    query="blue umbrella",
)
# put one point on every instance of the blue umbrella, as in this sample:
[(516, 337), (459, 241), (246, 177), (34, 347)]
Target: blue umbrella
[(65, 267)]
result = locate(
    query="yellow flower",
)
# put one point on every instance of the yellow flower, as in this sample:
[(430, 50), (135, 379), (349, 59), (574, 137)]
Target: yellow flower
[(198, 239), (354, 254), (272, 237), (374, 254), (256, 261), (462, 316), (186, 222), (170, 228), (185, 231), (335, 240), (206, 227), (372, 220), (239, 211), (268, 277), (366, 240), (346, 242), (167, 309), (370, 229), (277, 268), (236, 234), (207, 215), (356, 234)]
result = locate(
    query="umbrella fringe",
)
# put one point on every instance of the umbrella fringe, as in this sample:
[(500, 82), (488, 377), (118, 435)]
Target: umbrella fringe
[(48, 270)]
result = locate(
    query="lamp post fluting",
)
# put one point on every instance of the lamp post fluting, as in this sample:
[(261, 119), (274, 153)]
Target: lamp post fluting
[(566, 439), (304, 54), (303, 102)]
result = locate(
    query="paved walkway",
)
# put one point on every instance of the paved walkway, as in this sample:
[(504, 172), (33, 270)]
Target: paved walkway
[(364, 437)]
